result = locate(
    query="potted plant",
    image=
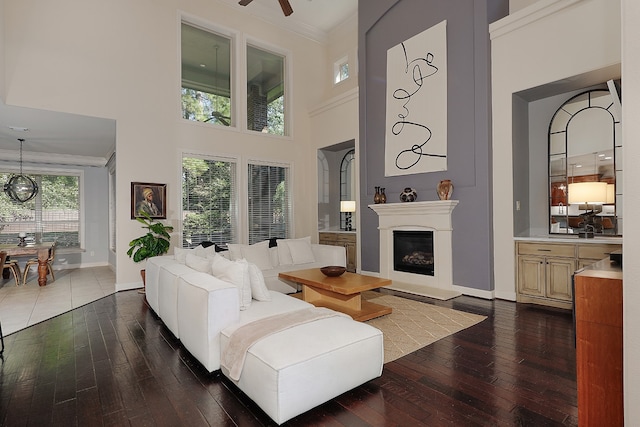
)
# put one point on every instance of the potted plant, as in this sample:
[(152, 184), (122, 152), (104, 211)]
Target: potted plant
[(155, 242)]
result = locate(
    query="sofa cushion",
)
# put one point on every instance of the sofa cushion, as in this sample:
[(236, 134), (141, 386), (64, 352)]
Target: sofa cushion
[(334, 354), (152, 279), (206, 305), (257, 253), (236, 272)]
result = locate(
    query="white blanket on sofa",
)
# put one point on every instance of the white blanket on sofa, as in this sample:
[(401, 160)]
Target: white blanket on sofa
[(245, 336)]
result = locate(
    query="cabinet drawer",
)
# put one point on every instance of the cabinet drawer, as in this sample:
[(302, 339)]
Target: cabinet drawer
[(596, 251), (327, 238), (546, 249), (346, 238)]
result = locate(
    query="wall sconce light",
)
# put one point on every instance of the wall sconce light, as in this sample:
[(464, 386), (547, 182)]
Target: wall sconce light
[(348, 206)]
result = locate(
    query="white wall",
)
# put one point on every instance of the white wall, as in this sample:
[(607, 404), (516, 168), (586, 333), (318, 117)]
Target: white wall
[(343, 41), (120, 60), (334, 122), (516, 5), (547, 42), (631, 239)]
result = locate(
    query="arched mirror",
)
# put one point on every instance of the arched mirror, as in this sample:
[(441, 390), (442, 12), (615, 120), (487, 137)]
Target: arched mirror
[(585, 188)]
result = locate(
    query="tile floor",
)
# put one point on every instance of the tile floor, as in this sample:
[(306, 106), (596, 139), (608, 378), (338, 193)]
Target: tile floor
[(26, 305)]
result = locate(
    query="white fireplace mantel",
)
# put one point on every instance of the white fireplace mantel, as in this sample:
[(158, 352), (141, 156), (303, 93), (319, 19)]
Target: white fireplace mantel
[(417, 216)]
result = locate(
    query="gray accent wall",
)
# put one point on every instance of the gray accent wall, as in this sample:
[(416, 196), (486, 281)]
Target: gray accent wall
[(383, 24)]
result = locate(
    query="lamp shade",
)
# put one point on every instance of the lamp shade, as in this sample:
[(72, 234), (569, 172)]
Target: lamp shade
[(611, 193), (588, 193), (348, 206)]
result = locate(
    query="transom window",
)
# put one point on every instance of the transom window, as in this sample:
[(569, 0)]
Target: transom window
[(210, 62), (206, 76), (265, 91), (341, 70)]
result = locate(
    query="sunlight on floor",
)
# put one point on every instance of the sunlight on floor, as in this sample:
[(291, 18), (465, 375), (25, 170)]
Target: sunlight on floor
[(26, 305)]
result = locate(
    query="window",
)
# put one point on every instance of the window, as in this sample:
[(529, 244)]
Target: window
[(206, 76), (53, 215), (269, 204), (208, 200), (265, 91), (341, 70)]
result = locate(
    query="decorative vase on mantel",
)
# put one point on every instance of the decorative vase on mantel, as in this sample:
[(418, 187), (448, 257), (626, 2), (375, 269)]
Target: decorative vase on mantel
[(445, 189), (376, 197), (408, 195), (383, 196)]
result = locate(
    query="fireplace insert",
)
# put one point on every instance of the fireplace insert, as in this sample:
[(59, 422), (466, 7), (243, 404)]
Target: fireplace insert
[(413, 252)]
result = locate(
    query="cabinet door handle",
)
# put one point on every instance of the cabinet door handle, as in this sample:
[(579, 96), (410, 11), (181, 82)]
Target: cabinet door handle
[(544, 250)]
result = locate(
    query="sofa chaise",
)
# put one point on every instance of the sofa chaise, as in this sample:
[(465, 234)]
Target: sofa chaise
[(302, 357)]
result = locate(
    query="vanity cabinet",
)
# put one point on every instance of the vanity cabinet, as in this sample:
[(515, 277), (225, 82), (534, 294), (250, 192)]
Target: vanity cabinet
[(545, 269), (345, 239)]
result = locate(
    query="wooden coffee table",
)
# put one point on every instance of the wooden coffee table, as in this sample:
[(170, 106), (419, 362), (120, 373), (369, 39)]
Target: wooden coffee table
[(342, 293)]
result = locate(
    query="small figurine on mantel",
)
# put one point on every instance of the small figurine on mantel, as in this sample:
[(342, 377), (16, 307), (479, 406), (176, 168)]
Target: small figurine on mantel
[(408, 195)]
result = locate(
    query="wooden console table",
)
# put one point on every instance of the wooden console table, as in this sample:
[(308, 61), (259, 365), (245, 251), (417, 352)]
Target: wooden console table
[(41, 250), (342, 293), (598, 313)]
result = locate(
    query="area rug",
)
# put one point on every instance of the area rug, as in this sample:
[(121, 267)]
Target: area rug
[(413, 324)]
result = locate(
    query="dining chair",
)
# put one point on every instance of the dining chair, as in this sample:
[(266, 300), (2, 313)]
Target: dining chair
[(34, 261), (13, 266)]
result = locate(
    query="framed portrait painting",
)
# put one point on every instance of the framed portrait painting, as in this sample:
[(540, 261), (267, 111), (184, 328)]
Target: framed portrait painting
[(147, 198)]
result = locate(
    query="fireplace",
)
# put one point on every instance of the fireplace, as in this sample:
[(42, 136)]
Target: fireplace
[(423, 264), (413, 252)]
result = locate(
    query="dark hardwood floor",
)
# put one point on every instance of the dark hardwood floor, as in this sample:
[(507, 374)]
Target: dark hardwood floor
[(112, 362)]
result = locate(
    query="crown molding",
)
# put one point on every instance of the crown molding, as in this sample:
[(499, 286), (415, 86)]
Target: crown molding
[(539, 10), (50, 158)]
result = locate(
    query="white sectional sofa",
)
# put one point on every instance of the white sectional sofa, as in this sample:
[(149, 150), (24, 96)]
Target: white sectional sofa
[(296, 366)]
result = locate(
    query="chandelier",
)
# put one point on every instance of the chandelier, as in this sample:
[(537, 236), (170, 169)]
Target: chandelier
[(21, 188)]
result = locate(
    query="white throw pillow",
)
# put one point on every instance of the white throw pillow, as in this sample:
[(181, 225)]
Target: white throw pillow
[(295, 251), (301, 251), (236, 273), (205, 252), (180, 254), (198, 263), (257, 254), (259, 290), (284, 253)]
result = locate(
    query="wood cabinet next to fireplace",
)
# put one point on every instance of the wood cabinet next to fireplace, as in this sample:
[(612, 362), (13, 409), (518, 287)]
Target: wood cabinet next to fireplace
[(346, 239)]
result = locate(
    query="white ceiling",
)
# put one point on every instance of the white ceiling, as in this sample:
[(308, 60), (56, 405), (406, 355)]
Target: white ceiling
[(73, 139)]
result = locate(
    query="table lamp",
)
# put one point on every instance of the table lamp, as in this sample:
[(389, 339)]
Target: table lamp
[(588, 193), (348, 206)]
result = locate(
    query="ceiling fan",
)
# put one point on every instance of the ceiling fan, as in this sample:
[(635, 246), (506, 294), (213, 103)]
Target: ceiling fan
[(284, 4)]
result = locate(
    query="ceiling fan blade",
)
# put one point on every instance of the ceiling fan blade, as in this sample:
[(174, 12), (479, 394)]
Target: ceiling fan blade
[(244, 2), (286, 7)]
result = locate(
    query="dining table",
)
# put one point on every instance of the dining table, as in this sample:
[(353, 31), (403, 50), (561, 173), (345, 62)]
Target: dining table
[(41, 250)]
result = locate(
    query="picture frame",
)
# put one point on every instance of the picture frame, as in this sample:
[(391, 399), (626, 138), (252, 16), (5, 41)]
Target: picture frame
[(150, 198)]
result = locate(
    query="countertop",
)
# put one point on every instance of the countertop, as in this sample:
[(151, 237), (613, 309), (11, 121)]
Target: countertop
[(572, 239)]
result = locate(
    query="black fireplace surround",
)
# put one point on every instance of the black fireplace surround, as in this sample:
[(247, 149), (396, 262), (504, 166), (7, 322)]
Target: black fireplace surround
[(413, 252)]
